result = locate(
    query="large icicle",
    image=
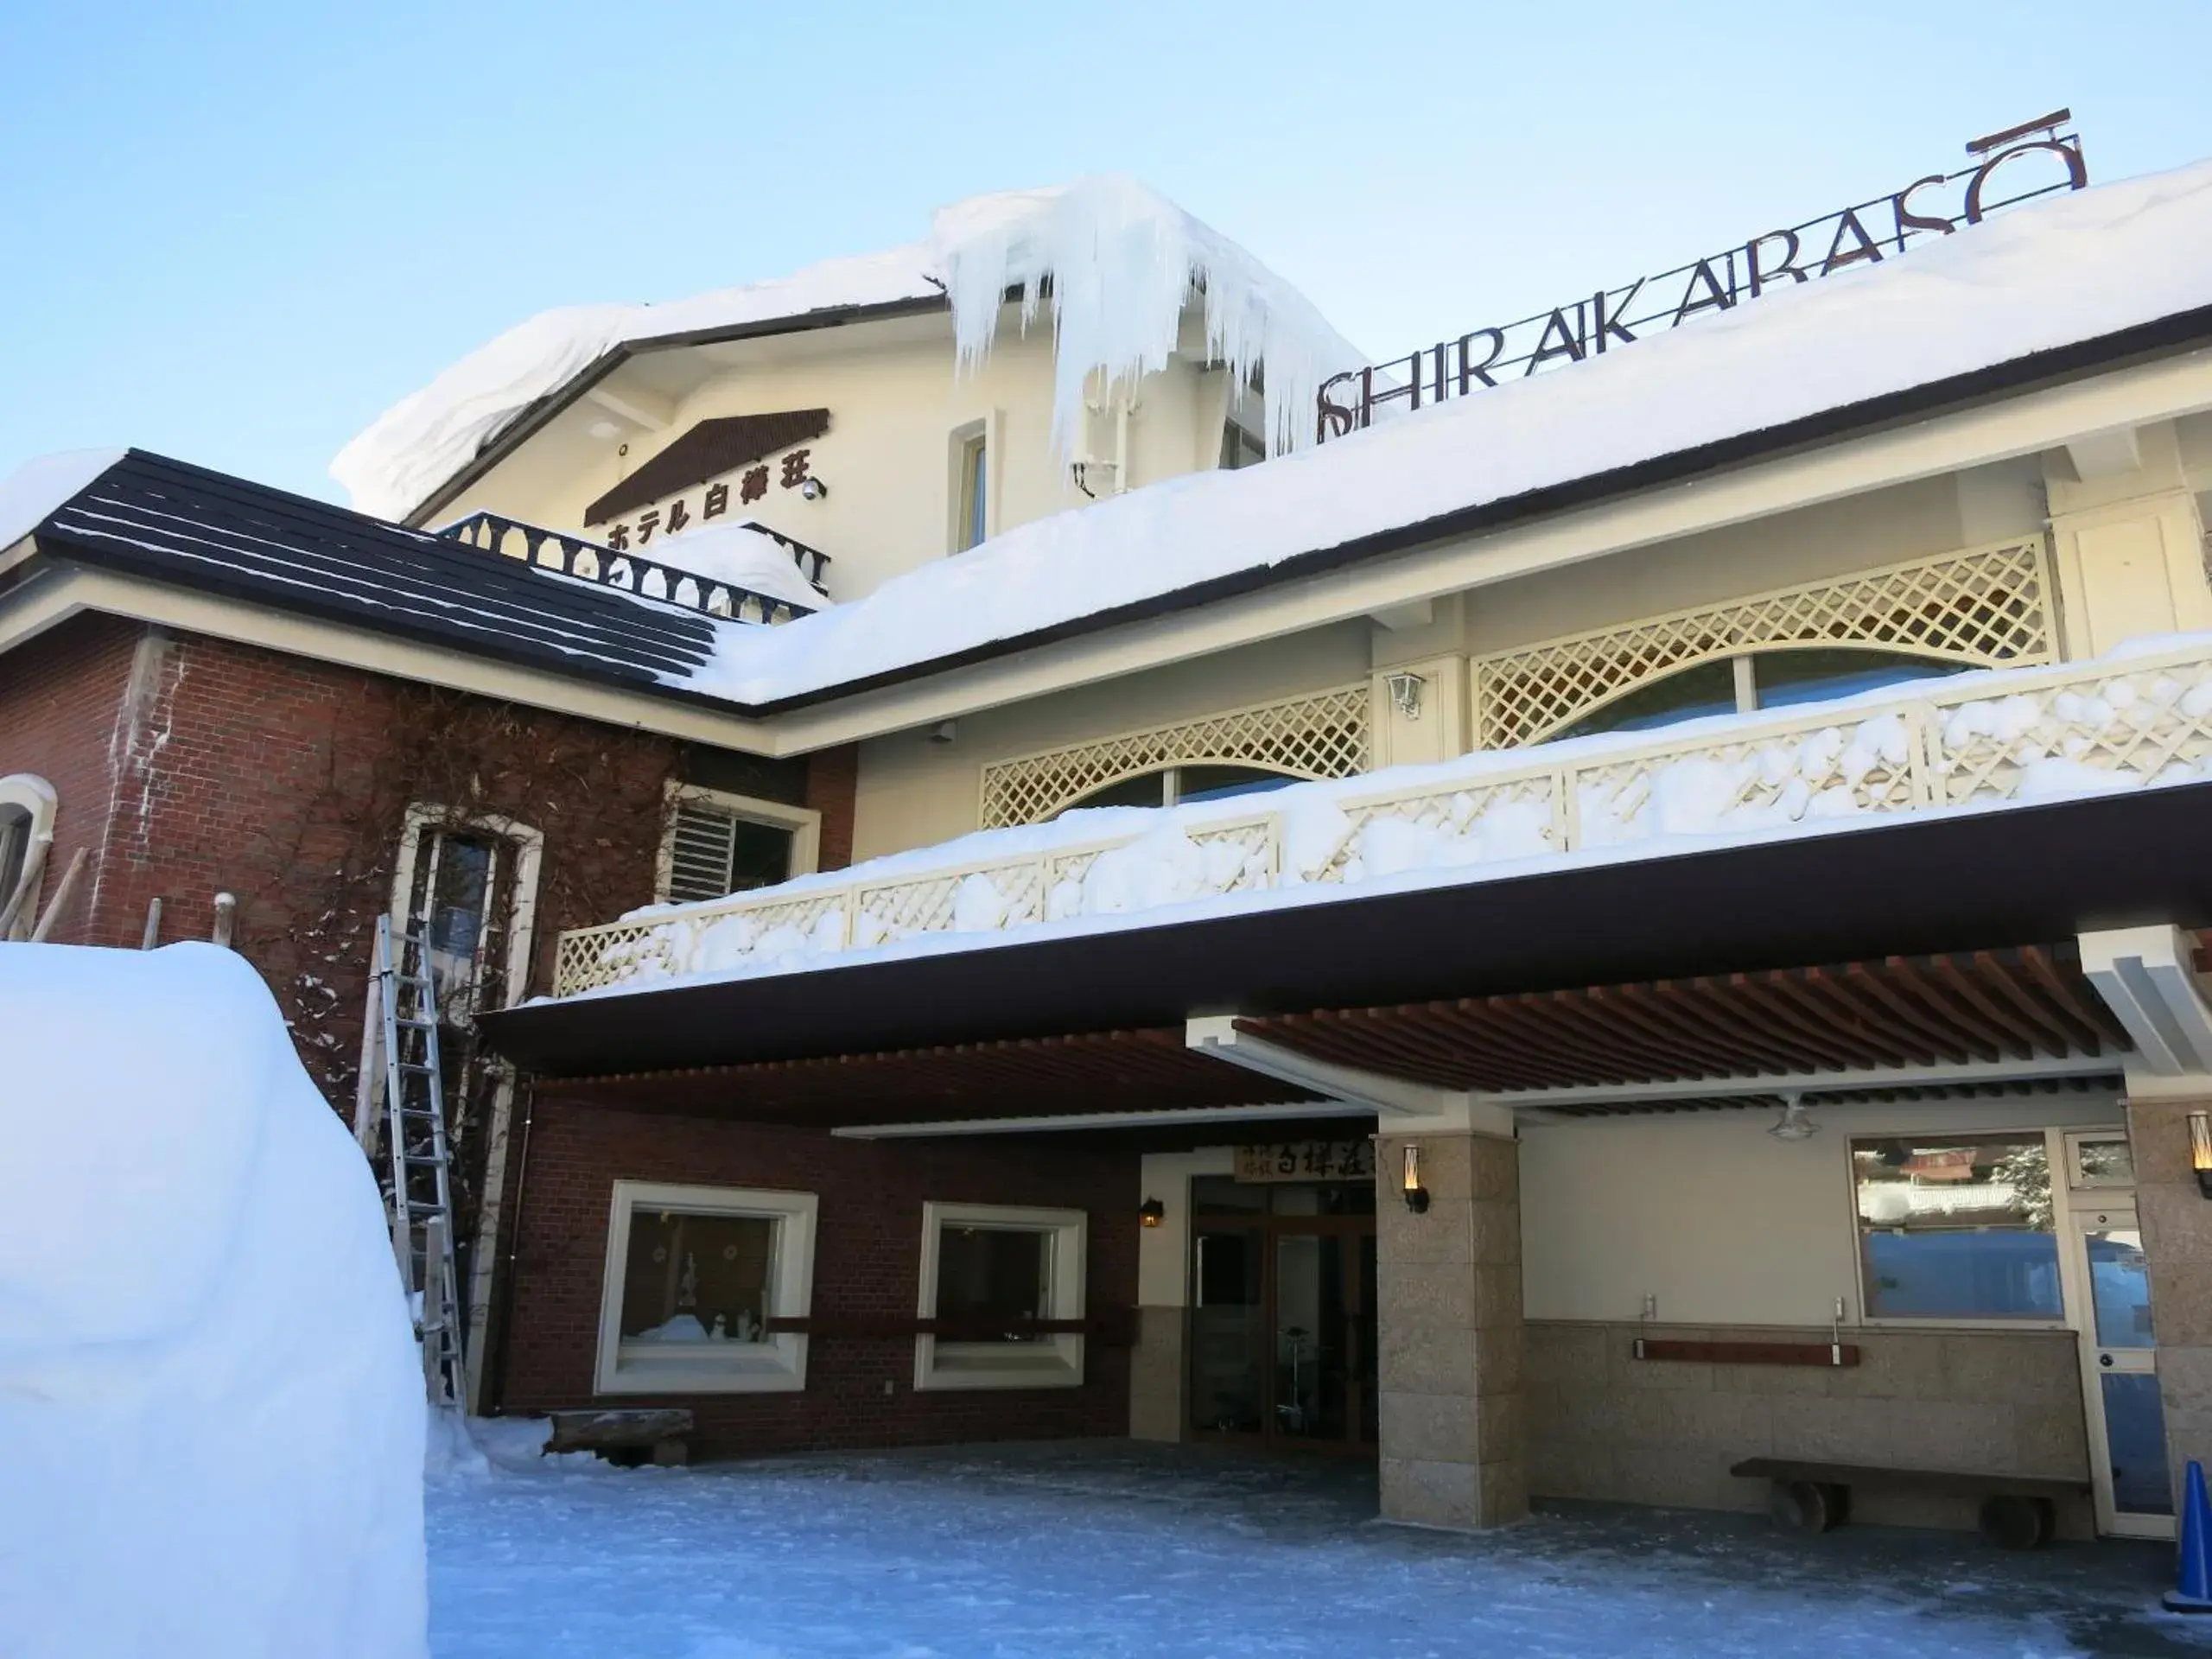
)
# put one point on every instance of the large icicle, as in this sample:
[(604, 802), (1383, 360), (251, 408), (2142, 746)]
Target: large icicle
[(1122, 262)]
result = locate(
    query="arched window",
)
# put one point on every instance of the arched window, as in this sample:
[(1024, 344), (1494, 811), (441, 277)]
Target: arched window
[(27, 803), (1173, 785), (1766, 679)]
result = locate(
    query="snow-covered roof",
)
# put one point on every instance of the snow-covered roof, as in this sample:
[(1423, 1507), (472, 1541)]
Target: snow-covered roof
[(1123, 261), (2054, 274)]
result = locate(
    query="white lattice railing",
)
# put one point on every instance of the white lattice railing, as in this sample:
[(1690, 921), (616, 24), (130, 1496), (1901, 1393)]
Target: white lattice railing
[(2014, 735)]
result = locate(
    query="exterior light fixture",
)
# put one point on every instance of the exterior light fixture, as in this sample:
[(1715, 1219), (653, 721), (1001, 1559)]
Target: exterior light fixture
[(813, 489), (1152, 1213), (2200, 1150), (1405, 692), (1416, 1194), (945, 731), (1795, 1123)]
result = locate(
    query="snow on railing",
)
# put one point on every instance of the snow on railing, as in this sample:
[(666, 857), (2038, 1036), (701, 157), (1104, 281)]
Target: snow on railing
[(590, 560), (2002, 735)]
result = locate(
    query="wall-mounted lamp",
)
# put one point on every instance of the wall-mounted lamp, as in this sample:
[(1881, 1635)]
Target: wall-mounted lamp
[(1405, 692), (2200, 1150), (1416, 1194), (1152, 1213), (813, 489), (945, 731)]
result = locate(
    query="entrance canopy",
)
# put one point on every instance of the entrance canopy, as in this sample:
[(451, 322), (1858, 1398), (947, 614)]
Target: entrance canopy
[(1931, 953)]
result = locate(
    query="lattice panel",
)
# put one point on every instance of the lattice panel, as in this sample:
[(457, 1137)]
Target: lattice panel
[(1006, 896), (1323, 735), (1764, 781), (1470, 822), (2150, 726), (1990, 605)]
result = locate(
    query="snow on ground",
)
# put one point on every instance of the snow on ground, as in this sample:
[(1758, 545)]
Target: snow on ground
[(1109, 1549), (210, 1419), (2064, 269)]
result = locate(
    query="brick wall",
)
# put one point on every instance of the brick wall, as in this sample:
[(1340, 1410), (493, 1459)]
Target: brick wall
[(191, 765), (61, 698), (858, 1393)]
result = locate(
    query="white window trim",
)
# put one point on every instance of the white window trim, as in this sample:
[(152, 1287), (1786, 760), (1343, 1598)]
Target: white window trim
[(529, 846), (803, 822), (1054, 1363), (776, 1366), (31, 792), (984, 430)]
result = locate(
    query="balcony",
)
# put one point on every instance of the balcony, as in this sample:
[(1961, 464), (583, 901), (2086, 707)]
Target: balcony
[(573, 555), (2133, 720)]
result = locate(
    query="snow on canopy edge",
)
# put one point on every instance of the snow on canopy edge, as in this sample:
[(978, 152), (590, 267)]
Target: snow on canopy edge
[(2044, 276), (32, 494)]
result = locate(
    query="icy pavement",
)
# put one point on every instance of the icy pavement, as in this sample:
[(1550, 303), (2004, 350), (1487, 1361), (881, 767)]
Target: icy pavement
[(1110, 1549)]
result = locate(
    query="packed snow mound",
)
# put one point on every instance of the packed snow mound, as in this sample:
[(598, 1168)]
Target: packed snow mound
[(2049, 275), (209, 1393), (742, 556), (1123, 262)]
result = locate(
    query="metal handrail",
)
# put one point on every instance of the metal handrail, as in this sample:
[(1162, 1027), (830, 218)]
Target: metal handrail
[(590, 560)]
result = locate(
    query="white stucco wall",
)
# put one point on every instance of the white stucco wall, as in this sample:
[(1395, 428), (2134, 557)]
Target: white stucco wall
[(1719, 1221)]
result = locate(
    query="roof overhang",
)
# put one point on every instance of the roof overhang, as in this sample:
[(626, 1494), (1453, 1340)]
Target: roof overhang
[(532, 420), (1913, 887)]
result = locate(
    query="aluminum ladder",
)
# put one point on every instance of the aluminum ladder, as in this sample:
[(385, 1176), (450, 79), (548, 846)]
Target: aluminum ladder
[(418, 1184)]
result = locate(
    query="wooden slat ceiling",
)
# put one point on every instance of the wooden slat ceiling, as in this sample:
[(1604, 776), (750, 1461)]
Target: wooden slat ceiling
[(1986, 1005), (1098, 1071)]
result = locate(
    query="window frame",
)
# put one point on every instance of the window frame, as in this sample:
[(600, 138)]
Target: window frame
[(2053, 1149), (803, 822), (777, 1366), (1052, 1362), (32, 795), (967, 507)]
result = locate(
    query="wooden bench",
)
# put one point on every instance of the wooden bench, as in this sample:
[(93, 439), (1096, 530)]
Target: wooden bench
[(2018, 1511), (661, 1432)]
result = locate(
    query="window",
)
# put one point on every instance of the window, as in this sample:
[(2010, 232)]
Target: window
[(974, 525), (693, 1276), (1172, 786), (1240, 449), (1956, 1227), (986, 1267), (27, 806), (1770, 679), (718, 844)]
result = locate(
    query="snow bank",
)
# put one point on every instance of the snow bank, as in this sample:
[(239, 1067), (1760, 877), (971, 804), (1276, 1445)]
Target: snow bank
[(1123, 261), (31, 492), (211, 1412), (2048, 273), (742, 555)]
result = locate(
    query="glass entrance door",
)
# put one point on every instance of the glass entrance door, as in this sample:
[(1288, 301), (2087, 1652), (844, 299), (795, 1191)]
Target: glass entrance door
[(2127, 1426), (1282, 1331)]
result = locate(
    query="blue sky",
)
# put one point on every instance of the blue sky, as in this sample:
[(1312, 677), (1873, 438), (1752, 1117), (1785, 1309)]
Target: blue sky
[(235, 234)]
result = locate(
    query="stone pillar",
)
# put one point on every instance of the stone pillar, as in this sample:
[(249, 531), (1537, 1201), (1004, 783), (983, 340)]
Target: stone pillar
[(2177, 1224), (1450, 1333)]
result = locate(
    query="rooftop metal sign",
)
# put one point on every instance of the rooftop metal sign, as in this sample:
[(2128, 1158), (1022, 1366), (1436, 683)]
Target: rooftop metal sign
[(1936, 204)]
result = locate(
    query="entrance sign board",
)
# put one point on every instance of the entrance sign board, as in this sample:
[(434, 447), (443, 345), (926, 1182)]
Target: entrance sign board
[(2036, 159), (1307, 1160)]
